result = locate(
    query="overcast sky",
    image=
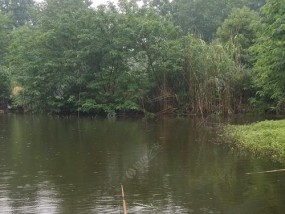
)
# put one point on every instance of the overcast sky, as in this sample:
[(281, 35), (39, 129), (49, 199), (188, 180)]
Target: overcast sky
[(95, 2)]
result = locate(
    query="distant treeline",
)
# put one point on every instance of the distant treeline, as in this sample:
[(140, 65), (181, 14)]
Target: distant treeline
[(181, 56)]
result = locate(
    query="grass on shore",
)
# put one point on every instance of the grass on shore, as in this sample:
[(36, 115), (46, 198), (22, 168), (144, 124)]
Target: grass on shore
[(265, 139)]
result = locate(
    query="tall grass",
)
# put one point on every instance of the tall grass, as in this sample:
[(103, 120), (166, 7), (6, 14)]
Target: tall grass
[(199, 77), (213, 75)]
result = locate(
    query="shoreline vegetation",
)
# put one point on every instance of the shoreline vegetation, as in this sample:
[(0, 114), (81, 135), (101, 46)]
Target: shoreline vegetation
[(180, 57), (261, 139)]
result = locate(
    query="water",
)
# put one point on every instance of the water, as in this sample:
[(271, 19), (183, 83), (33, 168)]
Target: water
[(65, 165)]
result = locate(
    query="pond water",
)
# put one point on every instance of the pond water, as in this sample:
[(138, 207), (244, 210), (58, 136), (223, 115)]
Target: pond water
[(66, 165)]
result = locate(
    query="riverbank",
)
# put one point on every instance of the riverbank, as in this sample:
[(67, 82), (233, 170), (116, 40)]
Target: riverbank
[(265, 139)]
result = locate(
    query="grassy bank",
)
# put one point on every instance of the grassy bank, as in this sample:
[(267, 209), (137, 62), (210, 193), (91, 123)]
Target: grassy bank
[(266, 139)]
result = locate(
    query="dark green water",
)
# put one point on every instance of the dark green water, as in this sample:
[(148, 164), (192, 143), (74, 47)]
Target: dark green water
[(55, 165)]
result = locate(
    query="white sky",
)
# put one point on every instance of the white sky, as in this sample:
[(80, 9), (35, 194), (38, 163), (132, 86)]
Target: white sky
[(95, 2), (98, 2)]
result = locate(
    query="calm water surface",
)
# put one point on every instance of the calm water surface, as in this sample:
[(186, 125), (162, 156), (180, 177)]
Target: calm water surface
[(65, 165)]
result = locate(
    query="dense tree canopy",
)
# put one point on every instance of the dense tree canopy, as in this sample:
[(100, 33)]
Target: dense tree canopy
[(67, 57), (241, 27), (19, 10), (5, 28), (203, 17), (269, 50)]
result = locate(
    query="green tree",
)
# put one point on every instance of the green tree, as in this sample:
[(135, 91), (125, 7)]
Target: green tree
[(164, 7), (74, 58), (241, 28), (203, 17), (256, 5), (269, 54), (45, 58), (157, 51), (5, 28), (4, 86), (19, 10)]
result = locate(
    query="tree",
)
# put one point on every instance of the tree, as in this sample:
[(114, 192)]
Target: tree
[(77, 59), (241, 27), (117, 59), (269, 53), (4, 86), (5, 28), (203, 17), (19, 10), (164, 7), (256, 5), (44, 57)]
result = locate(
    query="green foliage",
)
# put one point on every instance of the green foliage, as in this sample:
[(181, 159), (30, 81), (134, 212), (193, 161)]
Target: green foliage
[(73, 58), (4, 86), (19, 10), (268, 51), (203, 17), (265, 138), (44, 59), (214, 79), (85, 60), (241, 27), (5, 28)]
